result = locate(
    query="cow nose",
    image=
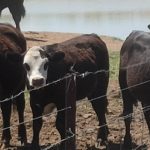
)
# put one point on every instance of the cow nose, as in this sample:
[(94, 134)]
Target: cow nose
[(37, 82)]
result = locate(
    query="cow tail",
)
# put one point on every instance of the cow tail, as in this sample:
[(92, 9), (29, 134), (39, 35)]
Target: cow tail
[(23, 11), (125, 90)]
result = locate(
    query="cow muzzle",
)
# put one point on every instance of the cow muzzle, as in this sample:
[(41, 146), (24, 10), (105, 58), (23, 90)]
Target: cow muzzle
[(38, 82)]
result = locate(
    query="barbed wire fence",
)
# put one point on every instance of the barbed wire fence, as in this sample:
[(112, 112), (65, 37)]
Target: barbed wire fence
[(112, 119)]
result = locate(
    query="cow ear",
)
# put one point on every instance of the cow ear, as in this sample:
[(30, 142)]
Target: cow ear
[(43, 54), (57, 56)]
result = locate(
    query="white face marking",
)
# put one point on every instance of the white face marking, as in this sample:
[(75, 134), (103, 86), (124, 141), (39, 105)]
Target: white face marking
[(36, 67)]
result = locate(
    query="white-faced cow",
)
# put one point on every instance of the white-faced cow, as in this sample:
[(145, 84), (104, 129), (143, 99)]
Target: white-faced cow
[(16, 8), (44, 64), (12, 79), (134, 77)]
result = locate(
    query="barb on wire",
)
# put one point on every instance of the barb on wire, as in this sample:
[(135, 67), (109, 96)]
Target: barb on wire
[(83, 75)]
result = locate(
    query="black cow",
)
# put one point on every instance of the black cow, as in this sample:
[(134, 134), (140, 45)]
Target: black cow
[(48, 63), (135, 70), (12, 79), (16, 8)]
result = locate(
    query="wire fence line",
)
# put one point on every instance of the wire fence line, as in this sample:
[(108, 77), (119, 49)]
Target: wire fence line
[(144, 109), (69, 75), (82, 75), (138, 147), (108, 147)]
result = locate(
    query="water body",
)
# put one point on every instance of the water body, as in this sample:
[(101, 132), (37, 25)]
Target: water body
[(105, 17)]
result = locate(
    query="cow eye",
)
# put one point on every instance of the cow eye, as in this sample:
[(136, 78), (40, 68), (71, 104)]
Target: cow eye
[(45, 66), (26, 66)]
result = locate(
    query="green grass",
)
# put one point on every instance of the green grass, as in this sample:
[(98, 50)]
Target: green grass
[(114, 65), (118, 39)]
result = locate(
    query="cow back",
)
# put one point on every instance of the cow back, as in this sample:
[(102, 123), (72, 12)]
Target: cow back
[(12, 47), (86, 53)]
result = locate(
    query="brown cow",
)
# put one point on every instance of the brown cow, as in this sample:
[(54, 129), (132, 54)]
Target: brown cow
[(12, 79), (16, 8), (134, 77), (44, 64)]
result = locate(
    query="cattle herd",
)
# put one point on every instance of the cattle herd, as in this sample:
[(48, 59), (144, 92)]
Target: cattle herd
[(87, 54)]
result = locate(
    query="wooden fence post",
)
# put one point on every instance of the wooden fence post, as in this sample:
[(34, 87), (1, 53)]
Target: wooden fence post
[(70, 121)]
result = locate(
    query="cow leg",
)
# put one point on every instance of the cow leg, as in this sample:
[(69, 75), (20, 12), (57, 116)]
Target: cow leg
[(20, 102), (37, 111), (60, 125), (128, 101), (127, 114), (146, 114), (16, 16), (100, 107), (6, 114)]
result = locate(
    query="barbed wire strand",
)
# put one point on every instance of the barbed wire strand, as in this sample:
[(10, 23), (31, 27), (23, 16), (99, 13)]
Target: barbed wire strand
[(124, 117), (67, 76), (52, 113), (144, 108), (35, 89), (147, 108)]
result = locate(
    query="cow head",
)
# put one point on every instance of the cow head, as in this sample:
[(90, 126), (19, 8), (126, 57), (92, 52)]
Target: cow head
[(36, 62)]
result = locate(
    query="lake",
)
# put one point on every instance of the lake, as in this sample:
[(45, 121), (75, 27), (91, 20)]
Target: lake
[(105, 17)]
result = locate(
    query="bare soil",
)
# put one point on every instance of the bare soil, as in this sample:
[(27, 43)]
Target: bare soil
[(86, 120)]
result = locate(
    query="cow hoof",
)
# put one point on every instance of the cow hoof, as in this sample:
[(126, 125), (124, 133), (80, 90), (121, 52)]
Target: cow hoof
[(127, 142), (23, 141), (35, 147), (104, 143), (101, 143)]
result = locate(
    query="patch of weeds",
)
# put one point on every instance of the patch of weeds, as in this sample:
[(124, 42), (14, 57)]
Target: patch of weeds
[(114, 65)]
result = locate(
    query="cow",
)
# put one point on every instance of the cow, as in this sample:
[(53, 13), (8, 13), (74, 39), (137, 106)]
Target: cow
[(12, 80), (16, 8), (134, 76), (45, 64)]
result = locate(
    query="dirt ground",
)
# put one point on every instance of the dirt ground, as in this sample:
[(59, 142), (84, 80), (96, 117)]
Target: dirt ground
[(86, 120)]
